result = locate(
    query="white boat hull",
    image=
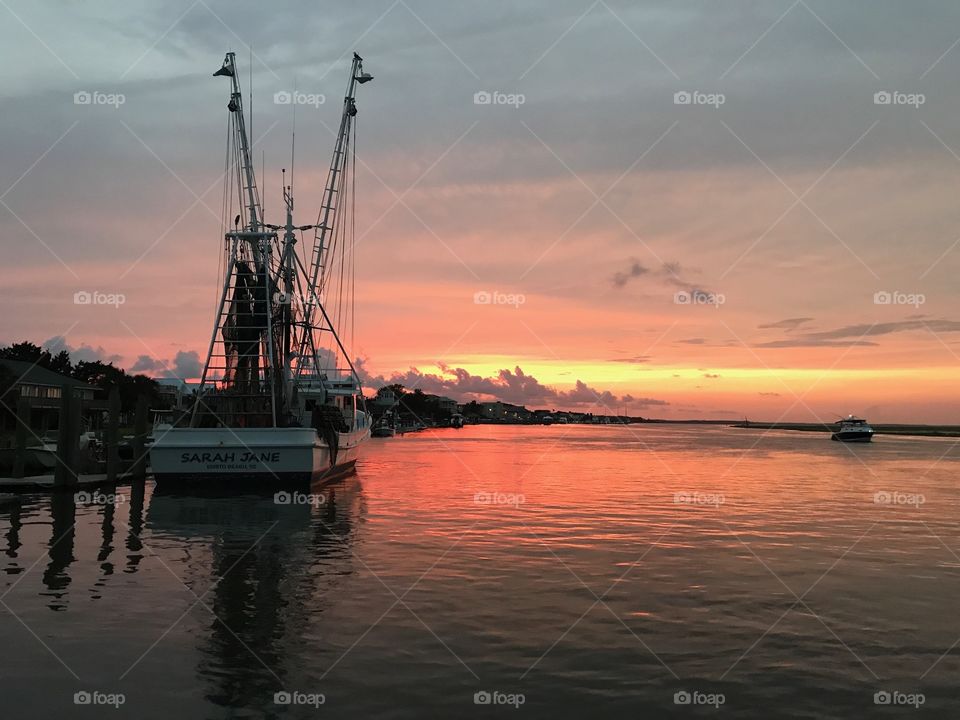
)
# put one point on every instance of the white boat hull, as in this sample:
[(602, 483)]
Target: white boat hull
[(266, 456)]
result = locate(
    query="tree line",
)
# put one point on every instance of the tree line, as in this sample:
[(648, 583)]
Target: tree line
[(92, 372)]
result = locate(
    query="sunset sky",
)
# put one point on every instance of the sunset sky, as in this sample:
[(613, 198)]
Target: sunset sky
[(787, 205)]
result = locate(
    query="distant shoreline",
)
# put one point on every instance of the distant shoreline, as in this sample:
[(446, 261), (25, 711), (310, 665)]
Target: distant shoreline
[(909, 430), (946, 431)]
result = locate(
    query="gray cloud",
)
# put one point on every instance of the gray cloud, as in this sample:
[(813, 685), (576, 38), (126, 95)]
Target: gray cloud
[(635, 270), (185, 365), (79, 353), (788, 324), (855, 334), (145, 364), (513, 386)]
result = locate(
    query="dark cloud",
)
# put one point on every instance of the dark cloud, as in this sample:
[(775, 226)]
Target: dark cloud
[(632, 401), (798, 343), (853, 335), (788, 324), (513, 386), (79, 353), (145, 364), (635, 270), (669, 273), (635, 359), (185, 365), (712, 376)]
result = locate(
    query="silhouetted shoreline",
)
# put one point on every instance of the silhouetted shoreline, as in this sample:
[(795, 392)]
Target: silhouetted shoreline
[(909, 430)]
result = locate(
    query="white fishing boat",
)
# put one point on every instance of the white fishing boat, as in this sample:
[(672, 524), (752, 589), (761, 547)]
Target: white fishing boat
[(853, 429), (280, 401), (384, 428)]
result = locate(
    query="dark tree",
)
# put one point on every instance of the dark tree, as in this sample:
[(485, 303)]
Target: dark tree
[(27, 352), (61, 363)]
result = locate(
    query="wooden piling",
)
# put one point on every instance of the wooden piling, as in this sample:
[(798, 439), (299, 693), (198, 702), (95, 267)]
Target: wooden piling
[(23, 425), (65, 474), (139, 468), (113, 434)]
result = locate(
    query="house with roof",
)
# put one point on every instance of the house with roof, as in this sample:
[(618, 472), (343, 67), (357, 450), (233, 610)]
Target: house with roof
[(43, 390)]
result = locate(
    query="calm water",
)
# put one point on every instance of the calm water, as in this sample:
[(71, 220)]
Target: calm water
[(594, 571)]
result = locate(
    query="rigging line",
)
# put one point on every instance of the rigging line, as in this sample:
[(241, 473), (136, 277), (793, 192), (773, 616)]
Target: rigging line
[(353, 250), (293, 135), (224, 219), (343, 255), (342, 236)]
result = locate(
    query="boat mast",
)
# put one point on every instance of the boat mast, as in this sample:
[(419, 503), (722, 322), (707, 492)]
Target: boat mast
[(245, 312), (326, 221), (246, 165)]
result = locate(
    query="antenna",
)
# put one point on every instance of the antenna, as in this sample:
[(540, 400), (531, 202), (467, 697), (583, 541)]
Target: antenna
[(293, 134)]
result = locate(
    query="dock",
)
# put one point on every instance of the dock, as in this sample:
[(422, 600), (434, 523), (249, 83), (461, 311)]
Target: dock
[(67, 471), (48, 482)]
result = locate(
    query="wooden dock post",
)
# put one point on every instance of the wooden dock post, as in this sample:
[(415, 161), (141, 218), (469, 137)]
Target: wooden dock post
[(139, 468), (23, 424), (65, 474), (113, 434)]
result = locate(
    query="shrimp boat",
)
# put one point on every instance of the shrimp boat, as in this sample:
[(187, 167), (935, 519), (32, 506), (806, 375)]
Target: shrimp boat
[(279, 402)]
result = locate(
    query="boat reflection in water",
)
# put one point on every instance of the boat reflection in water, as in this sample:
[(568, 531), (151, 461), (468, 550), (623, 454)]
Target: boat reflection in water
[(261, 590), (216, 601)]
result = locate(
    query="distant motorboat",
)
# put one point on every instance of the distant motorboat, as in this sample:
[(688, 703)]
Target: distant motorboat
[(456, 421), (383, 429), (853, 429)]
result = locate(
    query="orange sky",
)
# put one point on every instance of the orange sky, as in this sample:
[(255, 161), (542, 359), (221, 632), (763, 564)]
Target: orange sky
[(596, 201)]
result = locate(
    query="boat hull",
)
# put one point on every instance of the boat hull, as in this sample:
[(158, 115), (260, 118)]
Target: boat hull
[(853, 436), (264, 457)]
